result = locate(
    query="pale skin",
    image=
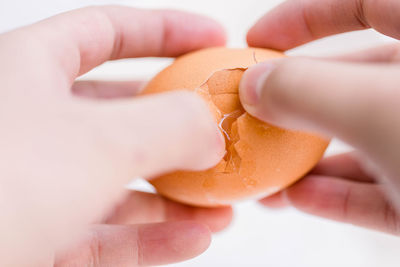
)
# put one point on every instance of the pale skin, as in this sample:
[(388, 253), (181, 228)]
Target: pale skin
[(67, 148), (354, 97)]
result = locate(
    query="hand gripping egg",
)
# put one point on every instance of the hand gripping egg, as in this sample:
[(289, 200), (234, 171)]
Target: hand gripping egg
[(260, 159)]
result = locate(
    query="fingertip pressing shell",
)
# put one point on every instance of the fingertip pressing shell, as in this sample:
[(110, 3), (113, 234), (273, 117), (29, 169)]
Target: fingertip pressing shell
[(260, 159)]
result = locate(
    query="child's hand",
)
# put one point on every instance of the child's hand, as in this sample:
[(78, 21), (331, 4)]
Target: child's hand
[(64, 159), (354, 97)]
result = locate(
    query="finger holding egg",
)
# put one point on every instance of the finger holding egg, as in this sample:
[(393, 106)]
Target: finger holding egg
[(260, 159)]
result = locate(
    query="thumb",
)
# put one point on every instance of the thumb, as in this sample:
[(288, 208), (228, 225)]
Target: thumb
[(353, 102)]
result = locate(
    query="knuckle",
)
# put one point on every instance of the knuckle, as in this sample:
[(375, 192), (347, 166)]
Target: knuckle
[(95, 249), (95, 14), (140, 254), (308, 19), (391, 218), (347, 203), (360, 13), (96, 19)]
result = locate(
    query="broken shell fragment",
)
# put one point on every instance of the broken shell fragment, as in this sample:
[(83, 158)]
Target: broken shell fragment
[(260, 159)]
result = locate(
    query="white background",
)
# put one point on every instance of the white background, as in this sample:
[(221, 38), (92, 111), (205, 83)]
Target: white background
[(257, 236)]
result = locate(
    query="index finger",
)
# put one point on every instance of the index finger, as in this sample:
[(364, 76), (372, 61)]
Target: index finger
[(82, 39), (296, 22)]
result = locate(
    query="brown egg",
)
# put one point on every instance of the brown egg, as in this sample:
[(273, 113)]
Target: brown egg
[(260, 159)]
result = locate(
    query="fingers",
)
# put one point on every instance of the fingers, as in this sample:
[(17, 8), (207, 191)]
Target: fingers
[(351, 101), (88, 151), (140, 207), (107, 89), (347, 166), (84, 38), (156, 134), (297, 22), (346, 201), (140, 245)]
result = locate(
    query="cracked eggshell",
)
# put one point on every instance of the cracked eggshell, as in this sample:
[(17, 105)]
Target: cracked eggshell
[(261, 159)]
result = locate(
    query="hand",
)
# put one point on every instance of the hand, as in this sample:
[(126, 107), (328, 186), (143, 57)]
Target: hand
[(353, 97), (66, 154), (133, 236)]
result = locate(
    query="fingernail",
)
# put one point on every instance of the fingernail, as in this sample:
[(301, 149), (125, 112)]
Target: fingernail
[(252, 83)]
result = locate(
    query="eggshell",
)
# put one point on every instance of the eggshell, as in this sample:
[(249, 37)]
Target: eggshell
[(261, 159)]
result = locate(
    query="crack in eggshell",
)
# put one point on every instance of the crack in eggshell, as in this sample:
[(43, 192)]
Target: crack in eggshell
[(260, 158), (220, 91)]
